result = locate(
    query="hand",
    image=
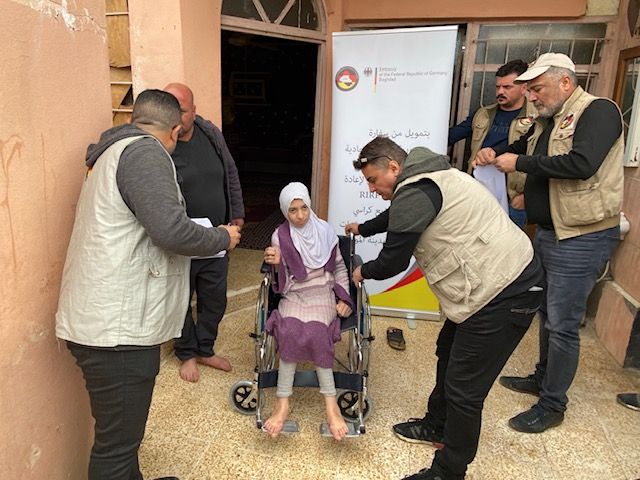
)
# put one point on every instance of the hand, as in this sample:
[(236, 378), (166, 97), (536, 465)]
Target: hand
[(343, 309), (234, 235), (485, 156), (238, 222), (352, 228), (272, 255), (518, 201), (506, 162), (356, 276)]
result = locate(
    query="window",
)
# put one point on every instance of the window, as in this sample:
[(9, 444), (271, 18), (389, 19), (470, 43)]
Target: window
[(489, 46), (627, 96), (290, 13), (499, 44)]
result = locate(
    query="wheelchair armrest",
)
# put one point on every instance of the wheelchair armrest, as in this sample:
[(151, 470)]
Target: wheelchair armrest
[(265, 267)]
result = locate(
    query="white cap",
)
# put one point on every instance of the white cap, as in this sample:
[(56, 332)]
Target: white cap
[(543, 63)]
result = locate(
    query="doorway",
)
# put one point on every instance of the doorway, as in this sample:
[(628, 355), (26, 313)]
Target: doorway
[(268, 112)]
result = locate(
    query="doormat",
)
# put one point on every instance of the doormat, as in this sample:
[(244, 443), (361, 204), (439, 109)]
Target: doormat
[(257, 235)]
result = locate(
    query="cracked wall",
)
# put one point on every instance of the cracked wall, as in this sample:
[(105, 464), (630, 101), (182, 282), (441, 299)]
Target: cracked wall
[(54, 78)]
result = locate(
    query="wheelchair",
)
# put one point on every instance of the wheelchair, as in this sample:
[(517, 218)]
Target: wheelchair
[(350, 373)]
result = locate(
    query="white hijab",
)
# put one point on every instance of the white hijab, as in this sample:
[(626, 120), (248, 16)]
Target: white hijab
[(316, 239)]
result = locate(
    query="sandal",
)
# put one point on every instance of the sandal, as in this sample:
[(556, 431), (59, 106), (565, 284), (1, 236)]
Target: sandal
[(395, 338)]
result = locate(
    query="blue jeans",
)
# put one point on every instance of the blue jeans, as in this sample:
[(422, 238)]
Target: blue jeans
[(518, 216), (571, 269)]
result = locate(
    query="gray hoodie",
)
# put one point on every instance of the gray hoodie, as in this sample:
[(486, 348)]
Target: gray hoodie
[(147, 183)]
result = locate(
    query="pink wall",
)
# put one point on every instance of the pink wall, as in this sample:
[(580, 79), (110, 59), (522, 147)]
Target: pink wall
[(359, 10), (181, 44), (616, 312), (54, 81)]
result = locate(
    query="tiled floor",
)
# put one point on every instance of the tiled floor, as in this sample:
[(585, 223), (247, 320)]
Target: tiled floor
[(194, 434)]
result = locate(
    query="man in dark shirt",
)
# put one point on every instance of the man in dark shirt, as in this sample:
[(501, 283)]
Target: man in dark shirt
[(209, 181), (500, 123), (573, 160)]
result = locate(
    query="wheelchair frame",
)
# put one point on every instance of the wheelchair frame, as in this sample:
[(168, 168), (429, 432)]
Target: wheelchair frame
[(247, 397)]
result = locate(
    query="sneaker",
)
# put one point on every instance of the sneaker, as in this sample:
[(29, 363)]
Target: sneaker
[(536, 420), (629, 400), (419, 430), (521, 384), (424, 474)]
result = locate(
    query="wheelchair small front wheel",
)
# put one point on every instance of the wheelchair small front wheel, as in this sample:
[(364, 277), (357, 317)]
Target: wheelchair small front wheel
[(348, 404), (243, 397)]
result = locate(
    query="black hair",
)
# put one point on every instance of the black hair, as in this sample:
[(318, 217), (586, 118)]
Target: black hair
[(514, 66), (379, 152), (156, 108)]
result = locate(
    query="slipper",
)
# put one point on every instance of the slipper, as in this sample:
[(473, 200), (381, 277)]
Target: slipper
[(395, 338)]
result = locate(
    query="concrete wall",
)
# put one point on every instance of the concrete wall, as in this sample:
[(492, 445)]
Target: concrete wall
[(54, 80), (617, 315), (181, 43)]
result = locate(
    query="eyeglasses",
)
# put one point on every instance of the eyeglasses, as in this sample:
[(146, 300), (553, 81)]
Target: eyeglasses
[(360, 162)]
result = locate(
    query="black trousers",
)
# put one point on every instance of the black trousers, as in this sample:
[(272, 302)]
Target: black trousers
[(120, 386), (208, 279), (470, 357)]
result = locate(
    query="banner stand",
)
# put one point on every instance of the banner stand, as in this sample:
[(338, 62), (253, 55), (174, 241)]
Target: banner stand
[(405, 313), (395, 83)]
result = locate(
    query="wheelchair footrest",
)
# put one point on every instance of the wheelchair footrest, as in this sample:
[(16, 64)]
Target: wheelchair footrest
[(352, 432), (289, 427)]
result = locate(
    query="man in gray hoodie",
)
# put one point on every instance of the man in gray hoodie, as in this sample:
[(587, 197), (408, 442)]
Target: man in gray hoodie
[(479, 265), (125, 283)]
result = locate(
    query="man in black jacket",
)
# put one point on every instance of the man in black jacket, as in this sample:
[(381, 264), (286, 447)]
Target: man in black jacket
[(209, 181)]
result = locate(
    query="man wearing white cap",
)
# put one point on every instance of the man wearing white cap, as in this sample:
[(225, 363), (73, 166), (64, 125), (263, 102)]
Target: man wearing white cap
[(573, 160)]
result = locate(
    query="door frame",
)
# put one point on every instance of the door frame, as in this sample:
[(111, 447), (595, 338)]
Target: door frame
[(318, 37)]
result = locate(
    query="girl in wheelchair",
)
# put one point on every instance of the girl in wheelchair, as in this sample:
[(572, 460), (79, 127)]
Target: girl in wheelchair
[(312, 280)]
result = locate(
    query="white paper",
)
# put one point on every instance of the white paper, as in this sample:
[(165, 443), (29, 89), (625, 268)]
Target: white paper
[(205, 222), (495, 181)]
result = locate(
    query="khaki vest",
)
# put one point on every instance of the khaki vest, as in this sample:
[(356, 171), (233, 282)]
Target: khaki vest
[(577, 206), (118, 288), (481, 123), (472, 250)]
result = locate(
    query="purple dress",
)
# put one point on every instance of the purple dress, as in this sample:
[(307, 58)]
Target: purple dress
[(306, 324)]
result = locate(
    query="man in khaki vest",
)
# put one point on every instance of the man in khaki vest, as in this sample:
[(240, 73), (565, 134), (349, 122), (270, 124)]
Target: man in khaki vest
[(125, 284), (573, 160), (499, 124), (480, 266)]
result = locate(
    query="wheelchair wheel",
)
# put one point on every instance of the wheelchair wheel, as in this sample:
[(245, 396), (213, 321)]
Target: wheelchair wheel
[(348, 404), (243, 397)]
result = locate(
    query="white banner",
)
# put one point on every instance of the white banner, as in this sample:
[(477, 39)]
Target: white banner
[(632, 151), (395, 83)]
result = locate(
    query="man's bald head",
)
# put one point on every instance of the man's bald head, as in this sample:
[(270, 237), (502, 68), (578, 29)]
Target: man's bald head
[(179, 90), (187, 108)]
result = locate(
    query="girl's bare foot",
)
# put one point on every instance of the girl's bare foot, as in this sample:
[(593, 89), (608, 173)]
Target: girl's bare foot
[(337, 425), (217, 362), (189, 371), (275, 422)]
